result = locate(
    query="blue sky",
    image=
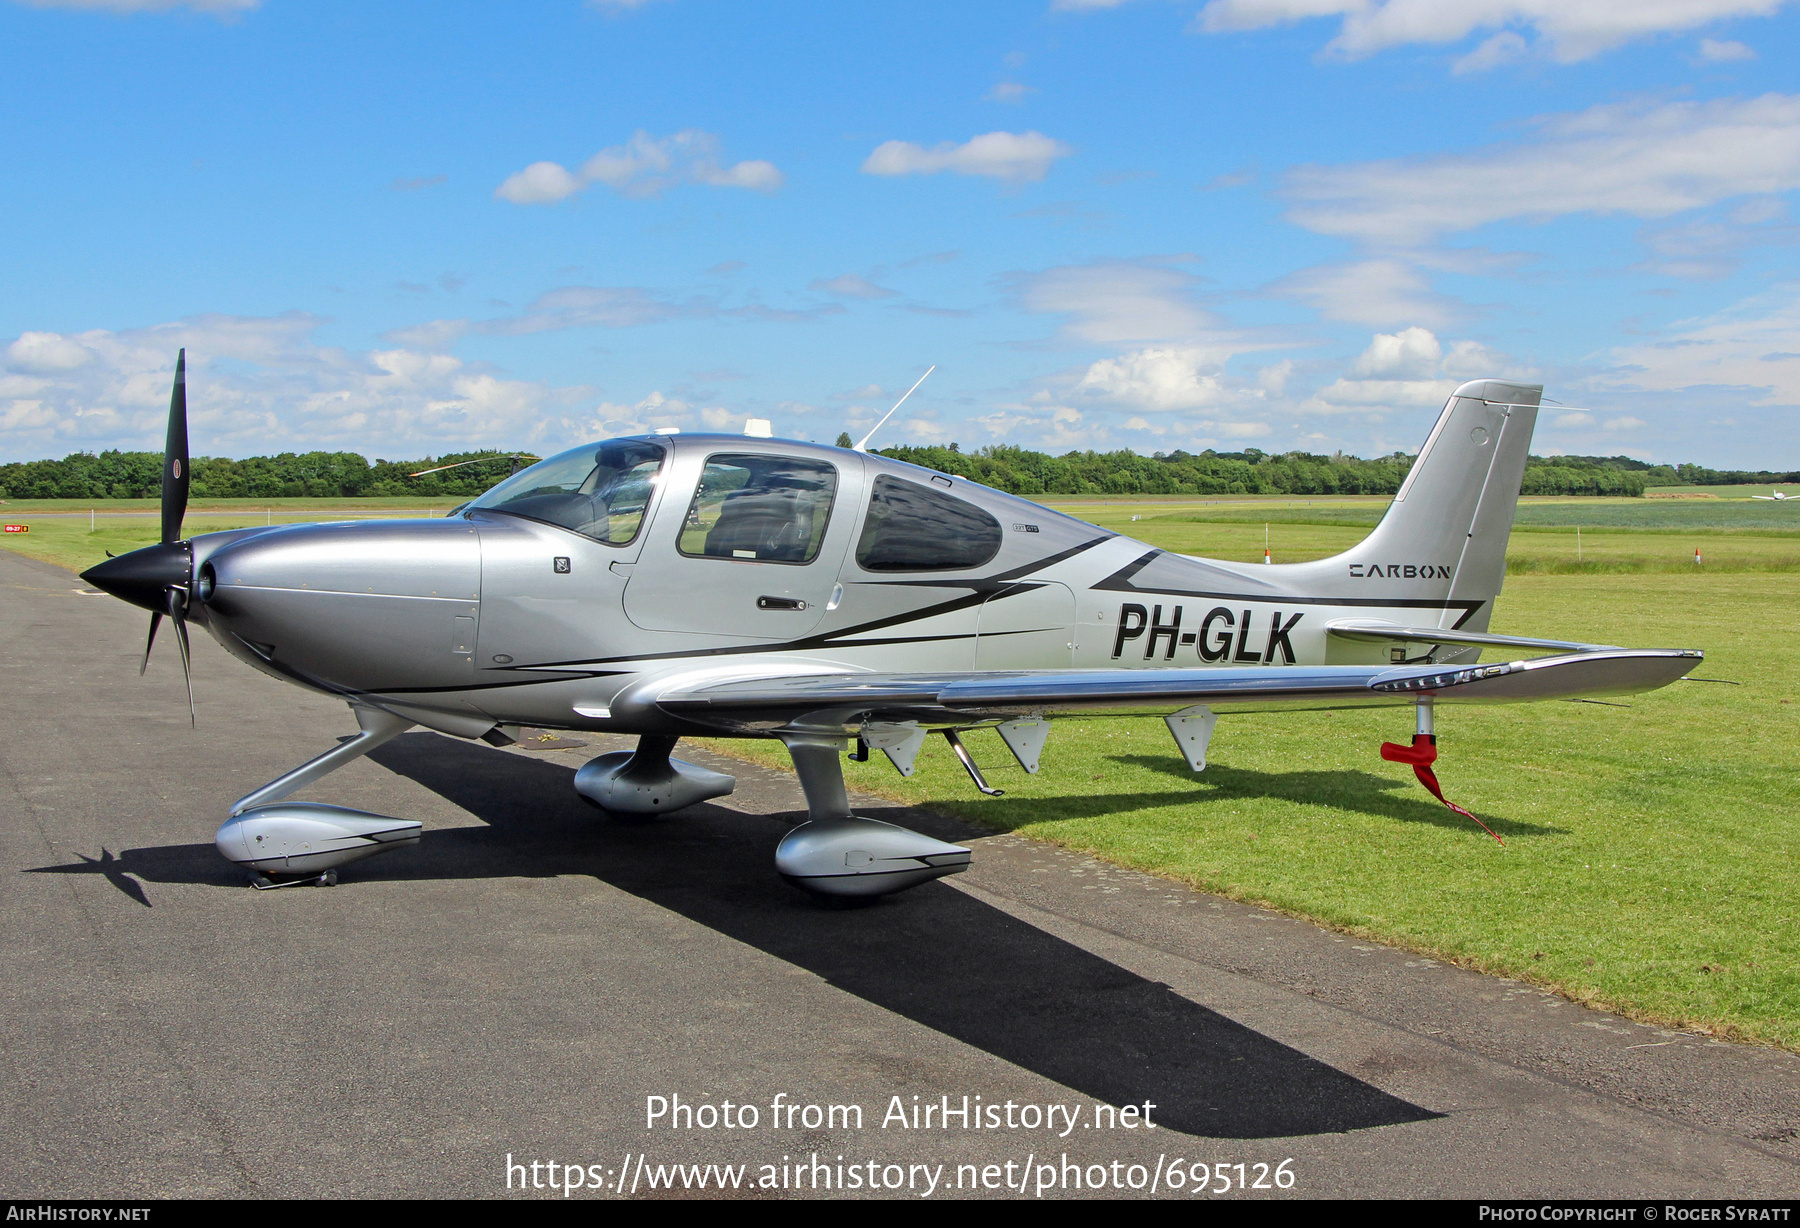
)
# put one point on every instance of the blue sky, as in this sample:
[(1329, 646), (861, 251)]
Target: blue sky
[(405, 229)]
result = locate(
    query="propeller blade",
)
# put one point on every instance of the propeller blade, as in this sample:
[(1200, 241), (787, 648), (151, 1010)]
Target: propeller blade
[(175, 457), (155, 621), (177, 610)]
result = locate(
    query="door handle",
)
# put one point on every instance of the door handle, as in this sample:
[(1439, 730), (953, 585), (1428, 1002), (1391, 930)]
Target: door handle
[(780, 603)]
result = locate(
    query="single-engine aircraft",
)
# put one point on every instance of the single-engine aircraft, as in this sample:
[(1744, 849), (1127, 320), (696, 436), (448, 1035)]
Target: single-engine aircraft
[(674, 585)]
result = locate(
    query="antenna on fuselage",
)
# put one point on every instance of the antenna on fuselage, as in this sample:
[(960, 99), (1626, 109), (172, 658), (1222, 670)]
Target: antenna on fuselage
[(480, 460), (864, 445)]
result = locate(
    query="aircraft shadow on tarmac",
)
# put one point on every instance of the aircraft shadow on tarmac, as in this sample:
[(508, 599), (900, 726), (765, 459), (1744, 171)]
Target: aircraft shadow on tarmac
[(933, 954), (1364, 792)]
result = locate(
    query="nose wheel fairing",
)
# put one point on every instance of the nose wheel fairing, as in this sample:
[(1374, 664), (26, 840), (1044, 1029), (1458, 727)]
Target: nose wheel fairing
[(306, 839)]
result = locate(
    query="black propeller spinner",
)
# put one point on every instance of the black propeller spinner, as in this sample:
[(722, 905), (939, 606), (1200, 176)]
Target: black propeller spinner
[(160, 578)]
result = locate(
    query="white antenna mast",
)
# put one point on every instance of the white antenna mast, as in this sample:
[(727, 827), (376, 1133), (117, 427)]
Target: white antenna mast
[(864, 445)]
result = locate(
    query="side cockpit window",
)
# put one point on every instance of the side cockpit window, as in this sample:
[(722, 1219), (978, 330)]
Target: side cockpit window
[(600, 490), (915, 528), (770, 509)]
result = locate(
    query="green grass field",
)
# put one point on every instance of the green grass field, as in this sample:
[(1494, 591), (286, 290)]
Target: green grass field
[(1651, 854), (1651, 851), (60, 531), (1567, 536)]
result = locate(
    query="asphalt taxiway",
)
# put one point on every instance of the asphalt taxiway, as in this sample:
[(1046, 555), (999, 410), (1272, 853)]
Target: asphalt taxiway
[(522, 981)]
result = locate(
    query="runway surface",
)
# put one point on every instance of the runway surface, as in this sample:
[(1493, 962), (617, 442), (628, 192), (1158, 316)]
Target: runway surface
[(522, 981)]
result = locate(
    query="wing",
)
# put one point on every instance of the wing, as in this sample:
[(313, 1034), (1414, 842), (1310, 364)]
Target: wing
[(954, 699)]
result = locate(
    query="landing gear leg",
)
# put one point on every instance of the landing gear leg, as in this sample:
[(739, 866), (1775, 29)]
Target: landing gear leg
[(377, 727), (286, 844), (837, 853)]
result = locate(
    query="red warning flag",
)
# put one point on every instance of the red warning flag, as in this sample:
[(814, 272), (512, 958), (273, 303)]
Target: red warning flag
[(1421, 755)]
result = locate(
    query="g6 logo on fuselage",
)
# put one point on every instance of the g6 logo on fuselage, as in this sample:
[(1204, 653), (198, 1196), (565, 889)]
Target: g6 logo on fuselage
[(1223, 635)]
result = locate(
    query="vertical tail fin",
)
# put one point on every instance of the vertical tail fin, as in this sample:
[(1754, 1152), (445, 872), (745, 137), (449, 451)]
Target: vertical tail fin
[(1444, 536), (1456, 505)]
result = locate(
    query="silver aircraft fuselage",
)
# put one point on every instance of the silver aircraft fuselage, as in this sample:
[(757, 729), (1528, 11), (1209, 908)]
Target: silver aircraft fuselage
[(667, 586), (488, 618)]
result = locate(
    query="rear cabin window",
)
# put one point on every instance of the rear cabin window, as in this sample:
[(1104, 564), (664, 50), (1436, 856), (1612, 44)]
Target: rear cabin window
[(767, 509), (915, 528)]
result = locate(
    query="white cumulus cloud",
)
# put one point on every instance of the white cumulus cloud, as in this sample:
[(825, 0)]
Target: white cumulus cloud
[(1016, 157), (1623, 158), (1754, 347), (47, 354), (541, 183), (1572, 30), (1412, 353), (1377, 291), (258, 385), (1116, 301), (1717, 51), (1169, 378), (1406, 370), (643, 166)]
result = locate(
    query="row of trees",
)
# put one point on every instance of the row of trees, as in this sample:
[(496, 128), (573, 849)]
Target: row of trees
[(1250, 472), (127, 475), (138, 475), (1689, 475)]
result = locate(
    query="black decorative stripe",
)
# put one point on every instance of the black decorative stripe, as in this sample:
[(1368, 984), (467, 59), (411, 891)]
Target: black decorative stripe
[(978, 590), (995, 583), (901, 639), (980, 585), (1051, 560), (1121, 582), (332, 688)]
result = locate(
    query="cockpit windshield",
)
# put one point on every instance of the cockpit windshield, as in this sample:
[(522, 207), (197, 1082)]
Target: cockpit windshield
[(600, 490)]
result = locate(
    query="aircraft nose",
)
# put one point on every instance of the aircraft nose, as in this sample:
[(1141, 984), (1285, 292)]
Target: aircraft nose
[(144, 576), (369, 605)]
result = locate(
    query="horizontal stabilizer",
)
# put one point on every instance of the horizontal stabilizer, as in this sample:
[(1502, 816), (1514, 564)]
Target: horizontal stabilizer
[(1375, 631)]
